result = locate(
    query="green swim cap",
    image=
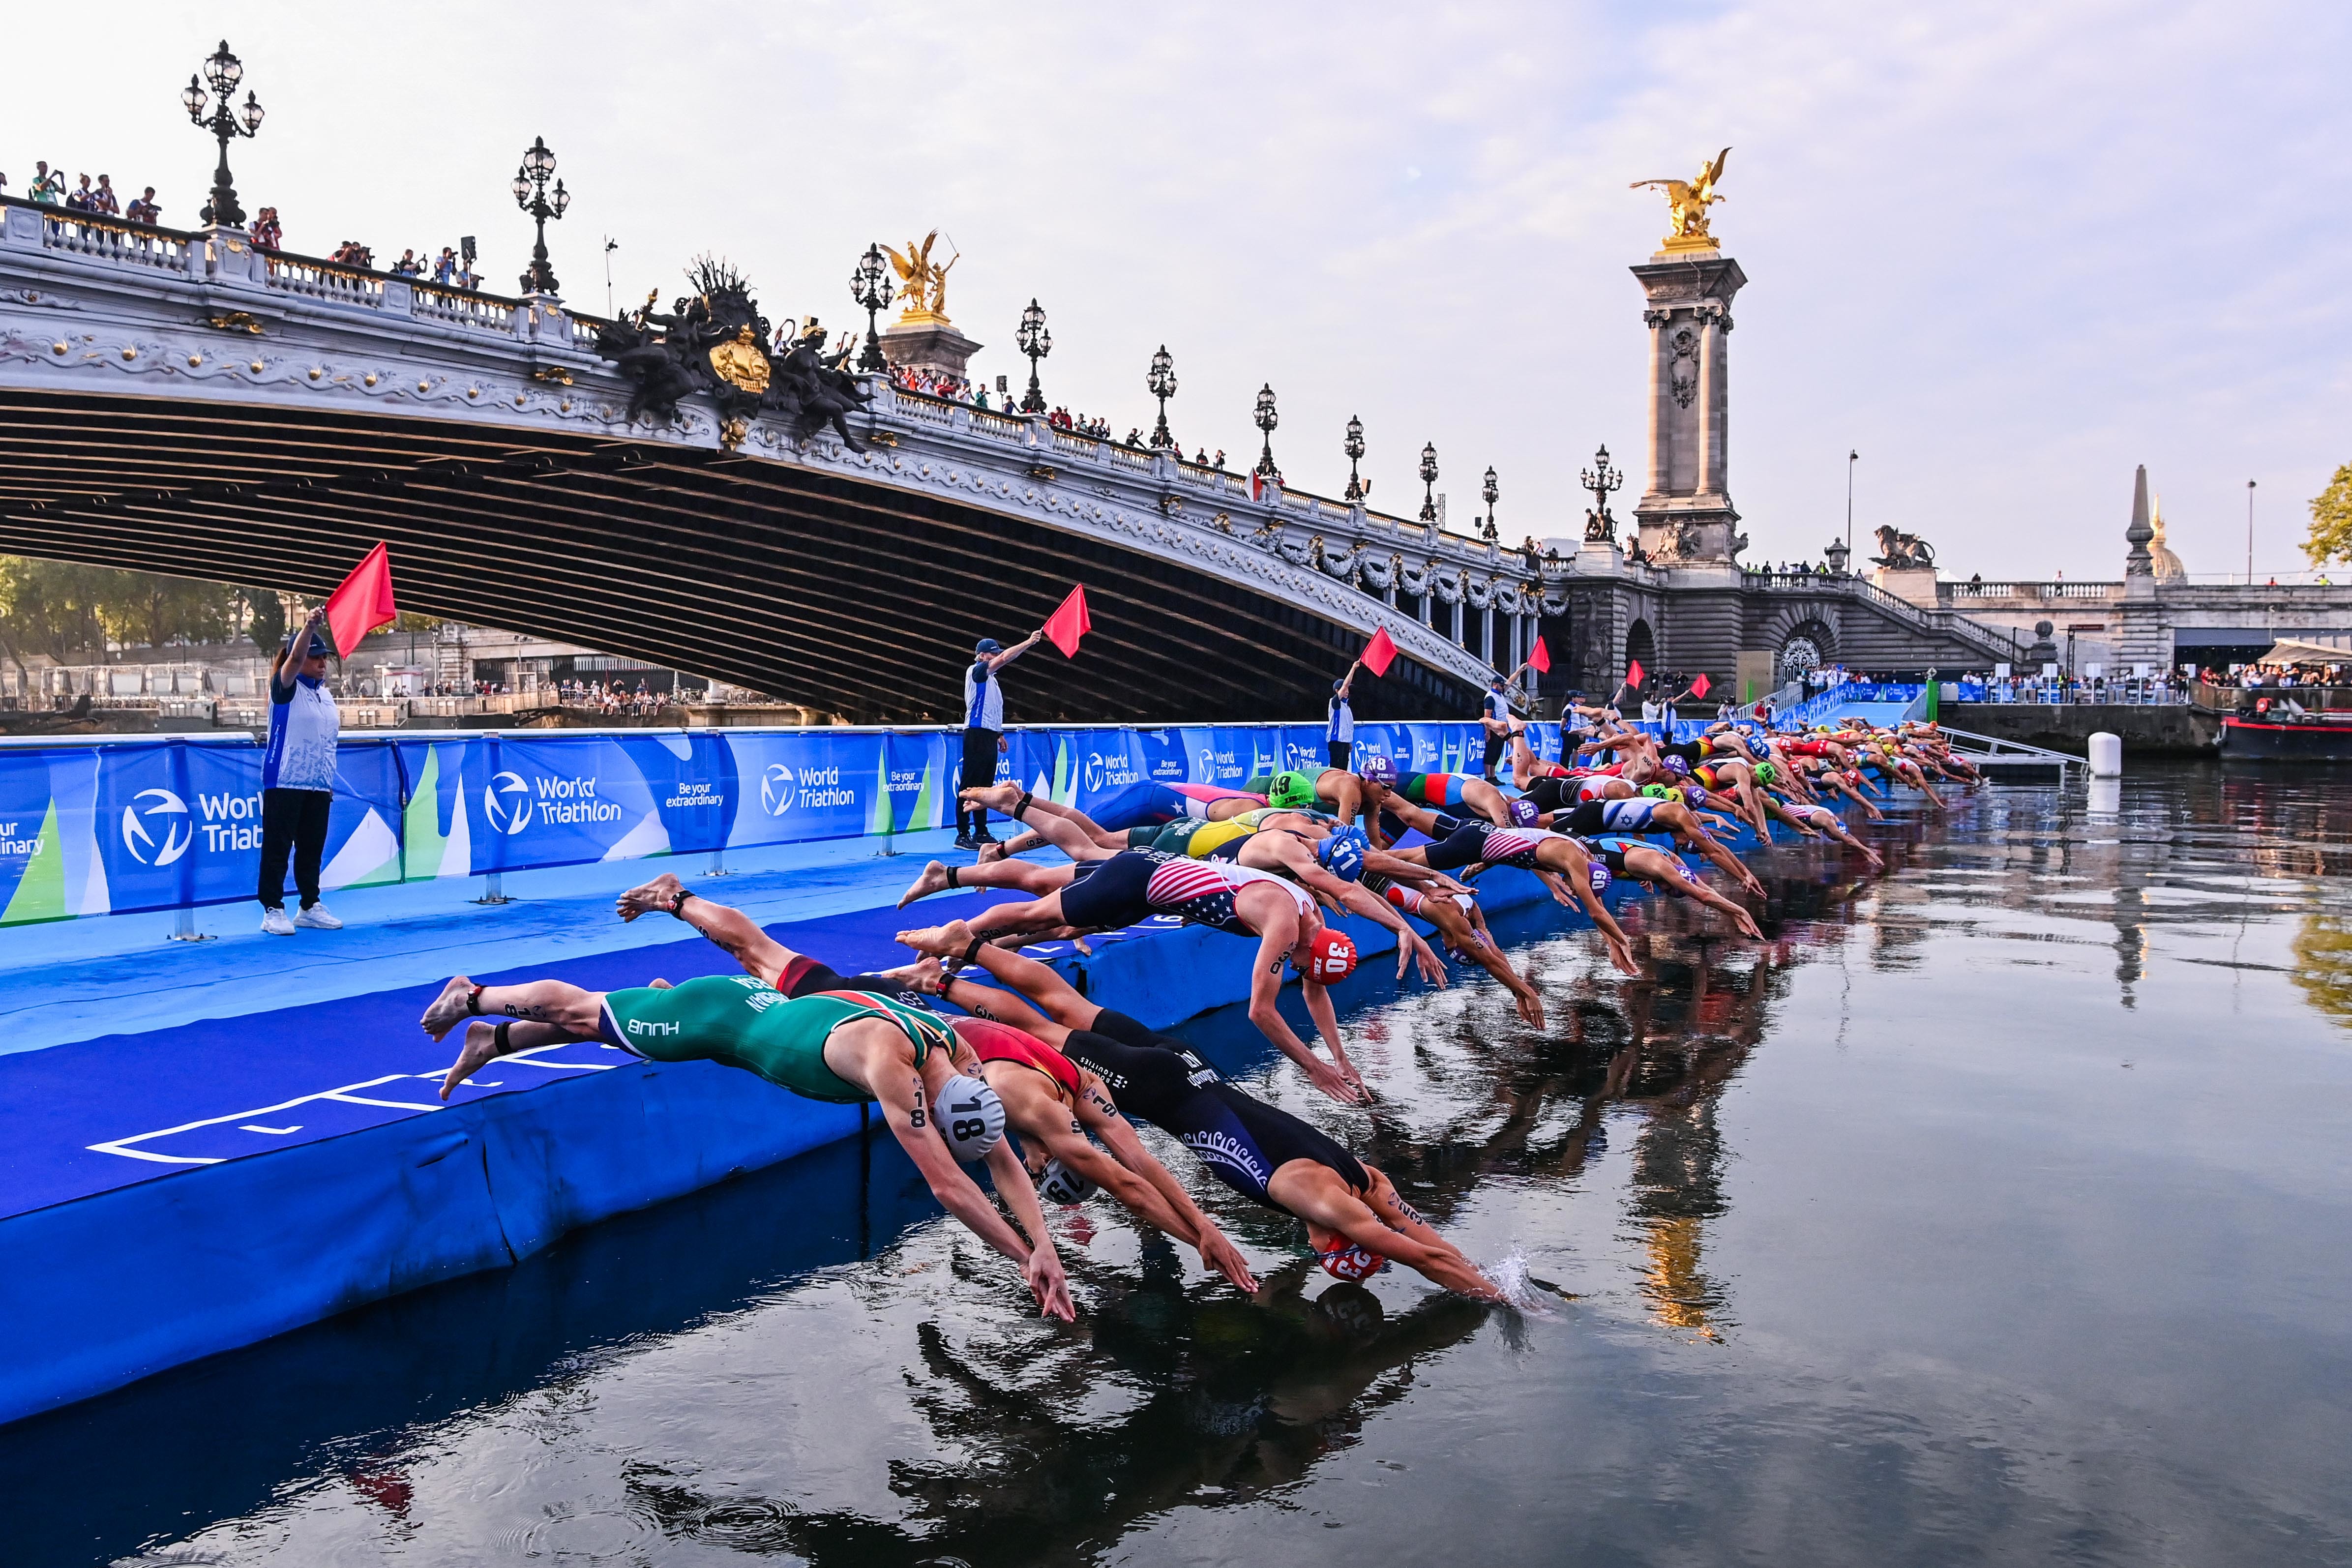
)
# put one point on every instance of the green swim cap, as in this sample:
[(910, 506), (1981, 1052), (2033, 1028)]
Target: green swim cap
[(1292, 790), (1661, 791), (1766, 772)]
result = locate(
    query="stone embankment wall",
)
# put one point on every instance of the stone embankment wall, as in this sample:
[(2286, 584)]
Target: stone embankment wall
[(2146, 731)]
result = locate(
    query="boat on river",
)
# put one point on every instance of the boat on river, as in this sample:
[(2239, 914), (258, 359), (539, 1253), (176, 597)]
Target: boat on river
[(2284, 732)]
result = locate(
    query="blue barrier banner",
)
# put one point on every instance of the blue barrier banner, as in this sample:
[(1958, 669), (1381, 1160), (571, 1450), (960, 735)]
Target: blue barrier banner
[(140, 825)]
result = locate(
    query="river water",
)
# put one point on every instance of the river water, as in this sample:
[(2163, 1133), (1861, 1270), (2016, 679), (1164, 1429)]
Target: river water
[(1995, 1209)]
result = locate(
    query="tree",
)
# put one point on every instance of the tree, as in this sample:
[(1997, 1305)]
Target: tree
[(2331, 521), (266, 618)]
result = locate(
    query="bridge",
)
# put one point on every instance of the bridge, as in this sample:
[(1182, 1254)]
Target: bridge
[(185, 402)]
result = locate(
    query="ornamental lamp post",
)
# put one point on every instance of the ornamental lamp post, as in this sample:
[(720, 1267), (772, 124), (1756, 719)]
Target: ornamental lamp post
[(1490, 494), (1428, 483), (1162, 384), (870, 286), (530, 194), (1265, 419), (222, 73), (1354, 448), (1601, 479), (1033, 340)]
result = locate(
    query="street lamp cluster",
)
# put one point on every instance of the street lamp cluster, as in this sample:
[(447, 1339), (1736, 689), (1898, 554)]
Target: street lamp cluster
[(869, 283)]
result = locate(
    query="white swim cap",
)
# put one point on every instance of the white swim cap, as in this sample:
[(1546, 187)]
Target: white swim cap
[(1057, 1183), (970, 1118)]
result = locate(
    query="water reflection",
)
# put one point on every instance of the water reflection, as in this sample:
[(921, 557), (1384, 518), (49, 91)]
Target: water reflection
[(808, 1364)]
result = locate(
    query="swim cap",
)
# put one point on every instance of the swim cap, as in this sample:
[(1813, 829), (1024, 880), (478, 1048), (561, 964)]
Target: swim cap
[(970, 1118), (1376, 769), (1342, 854), (1057, 1183), (1676, 766), (1524, 813), (1330, 956), (1347, 1259), (1291, 789), (1659, 791), (1600, 878), (1765, 772)]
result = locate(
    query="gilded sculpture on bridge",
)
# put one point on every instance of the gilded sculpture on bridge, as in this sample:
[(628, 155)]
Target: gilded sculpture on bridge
[(1687, 202), (714, 342), (922, 282)]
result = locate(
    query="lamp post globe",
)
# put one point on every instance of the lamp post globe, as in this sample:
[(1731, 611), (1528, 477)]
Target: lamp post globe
[(1428, 484), (530, 194), (1265, 419), (1162, 384), (1354, 448), (222, 73), (869, 286), (1033, 340)]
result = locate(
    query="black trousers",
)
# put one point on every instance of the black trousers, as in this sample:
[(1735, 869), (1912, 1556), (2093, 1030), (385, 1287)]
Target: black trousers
[(1495, 745), (293, 819), (978, 769), (1336, 750)]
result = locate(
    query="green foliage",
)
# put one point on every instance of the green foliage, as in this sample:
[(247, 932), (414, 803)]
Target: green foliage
[(70, 611), (2331, 521), (266, 622)]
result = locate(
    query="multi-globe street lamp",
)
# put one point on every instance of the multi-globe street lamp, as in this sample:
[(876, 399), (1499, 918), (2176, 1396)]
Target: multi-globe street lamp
[(531, 194), (1601, 479), (1266, 420), (1162, 384), (1428, 483), (1354, 448), (1036, 341), (1490, 494), (870, 286), (222, 73)]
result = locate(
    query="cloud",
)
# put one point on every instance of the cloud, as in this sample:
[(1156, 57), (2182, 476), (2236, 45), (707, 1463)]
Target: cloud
[(2006, 252)]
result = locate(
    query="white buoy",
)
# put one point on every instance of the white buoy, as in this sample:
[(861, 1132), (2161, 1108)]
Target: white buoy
[(2107, 755)]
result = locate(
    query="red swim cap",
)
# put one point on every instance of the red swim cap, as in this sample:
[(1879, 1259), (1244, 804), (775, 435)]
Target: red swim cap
[(1330, 956)]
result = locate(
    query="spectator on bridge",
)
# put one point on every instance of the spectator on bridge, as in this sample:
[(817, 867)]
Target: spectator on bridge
[(267, 233), (79, 197), (408, 266), (143, 208), (984, 730), (48, 189), (103, 199), (1339, 724), (1218, 463), (298, 779), (445, 266)]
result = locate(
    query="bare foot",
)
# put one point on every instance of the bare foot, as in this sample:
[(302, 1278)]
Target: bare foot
[(997, 798), (928, 976), (448, 1009), (481, 1047), (993, 851), (939, 941), (1083, 946), (933, 880), (652, 898)]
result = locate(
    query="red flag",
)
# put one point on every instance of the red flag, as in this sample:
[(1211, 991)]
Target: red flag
[(1539, 658), (1632, 672), (1257, 486), (1380, 653), (1070, 623), (1699, 687), (363, 603)]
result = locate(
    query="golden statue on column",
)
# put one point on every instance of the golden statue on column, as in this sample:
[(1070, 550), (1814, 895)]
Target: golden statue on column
[(1687, 201), (922, 282)]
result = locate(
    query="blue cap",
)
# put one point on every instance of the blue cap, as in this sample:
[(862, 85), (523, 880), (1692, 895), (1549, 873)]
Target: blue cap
[(989, 646), (319, 647)]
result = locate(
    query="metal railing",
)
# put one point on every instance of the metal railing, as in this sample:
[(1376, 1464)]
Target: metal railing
[(1982, 748)]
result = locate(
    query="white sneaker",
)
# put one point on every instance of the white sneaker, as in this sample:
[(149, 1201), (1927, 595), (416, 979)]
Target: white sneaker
[(274, 921), (317, 918)]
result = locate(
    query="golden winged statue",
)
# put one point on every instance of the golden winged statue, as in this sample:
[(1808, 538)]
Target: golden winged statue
[(1688, 200), (922, 283)]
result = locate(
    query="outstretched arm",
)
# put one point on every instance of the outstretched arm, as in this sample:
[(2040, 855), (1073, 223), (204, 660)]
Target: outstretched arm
[(1265, 1011)]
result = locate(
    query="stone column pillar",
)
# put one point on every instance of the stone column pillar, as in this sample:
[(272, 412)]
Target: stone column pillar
[(1487, 634), (1710, 404), (1661, 389)]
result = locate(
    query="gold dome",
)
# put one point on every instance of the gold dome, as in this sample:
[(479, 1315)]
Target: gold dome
[(2167, 565)]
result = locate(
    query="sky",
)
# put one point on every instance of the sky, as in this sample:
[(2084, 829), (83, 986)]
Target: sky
[(2004, 252)]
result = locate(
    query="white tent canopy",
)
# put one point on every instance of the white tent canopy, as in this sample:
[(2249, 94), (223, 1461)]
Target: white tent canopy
[(2310, 651)]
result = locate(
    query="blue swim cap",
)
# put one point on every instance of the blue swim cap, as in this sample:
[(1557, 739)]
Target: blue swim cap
[(1600, 878), (1378, 770), (1342, 854)]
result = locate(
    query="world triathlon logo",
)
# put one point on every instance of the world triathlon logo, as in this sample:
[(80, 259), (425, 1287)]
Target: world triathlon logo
[(506, 801), (776, 787), (168, 816), (1102, 772)]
